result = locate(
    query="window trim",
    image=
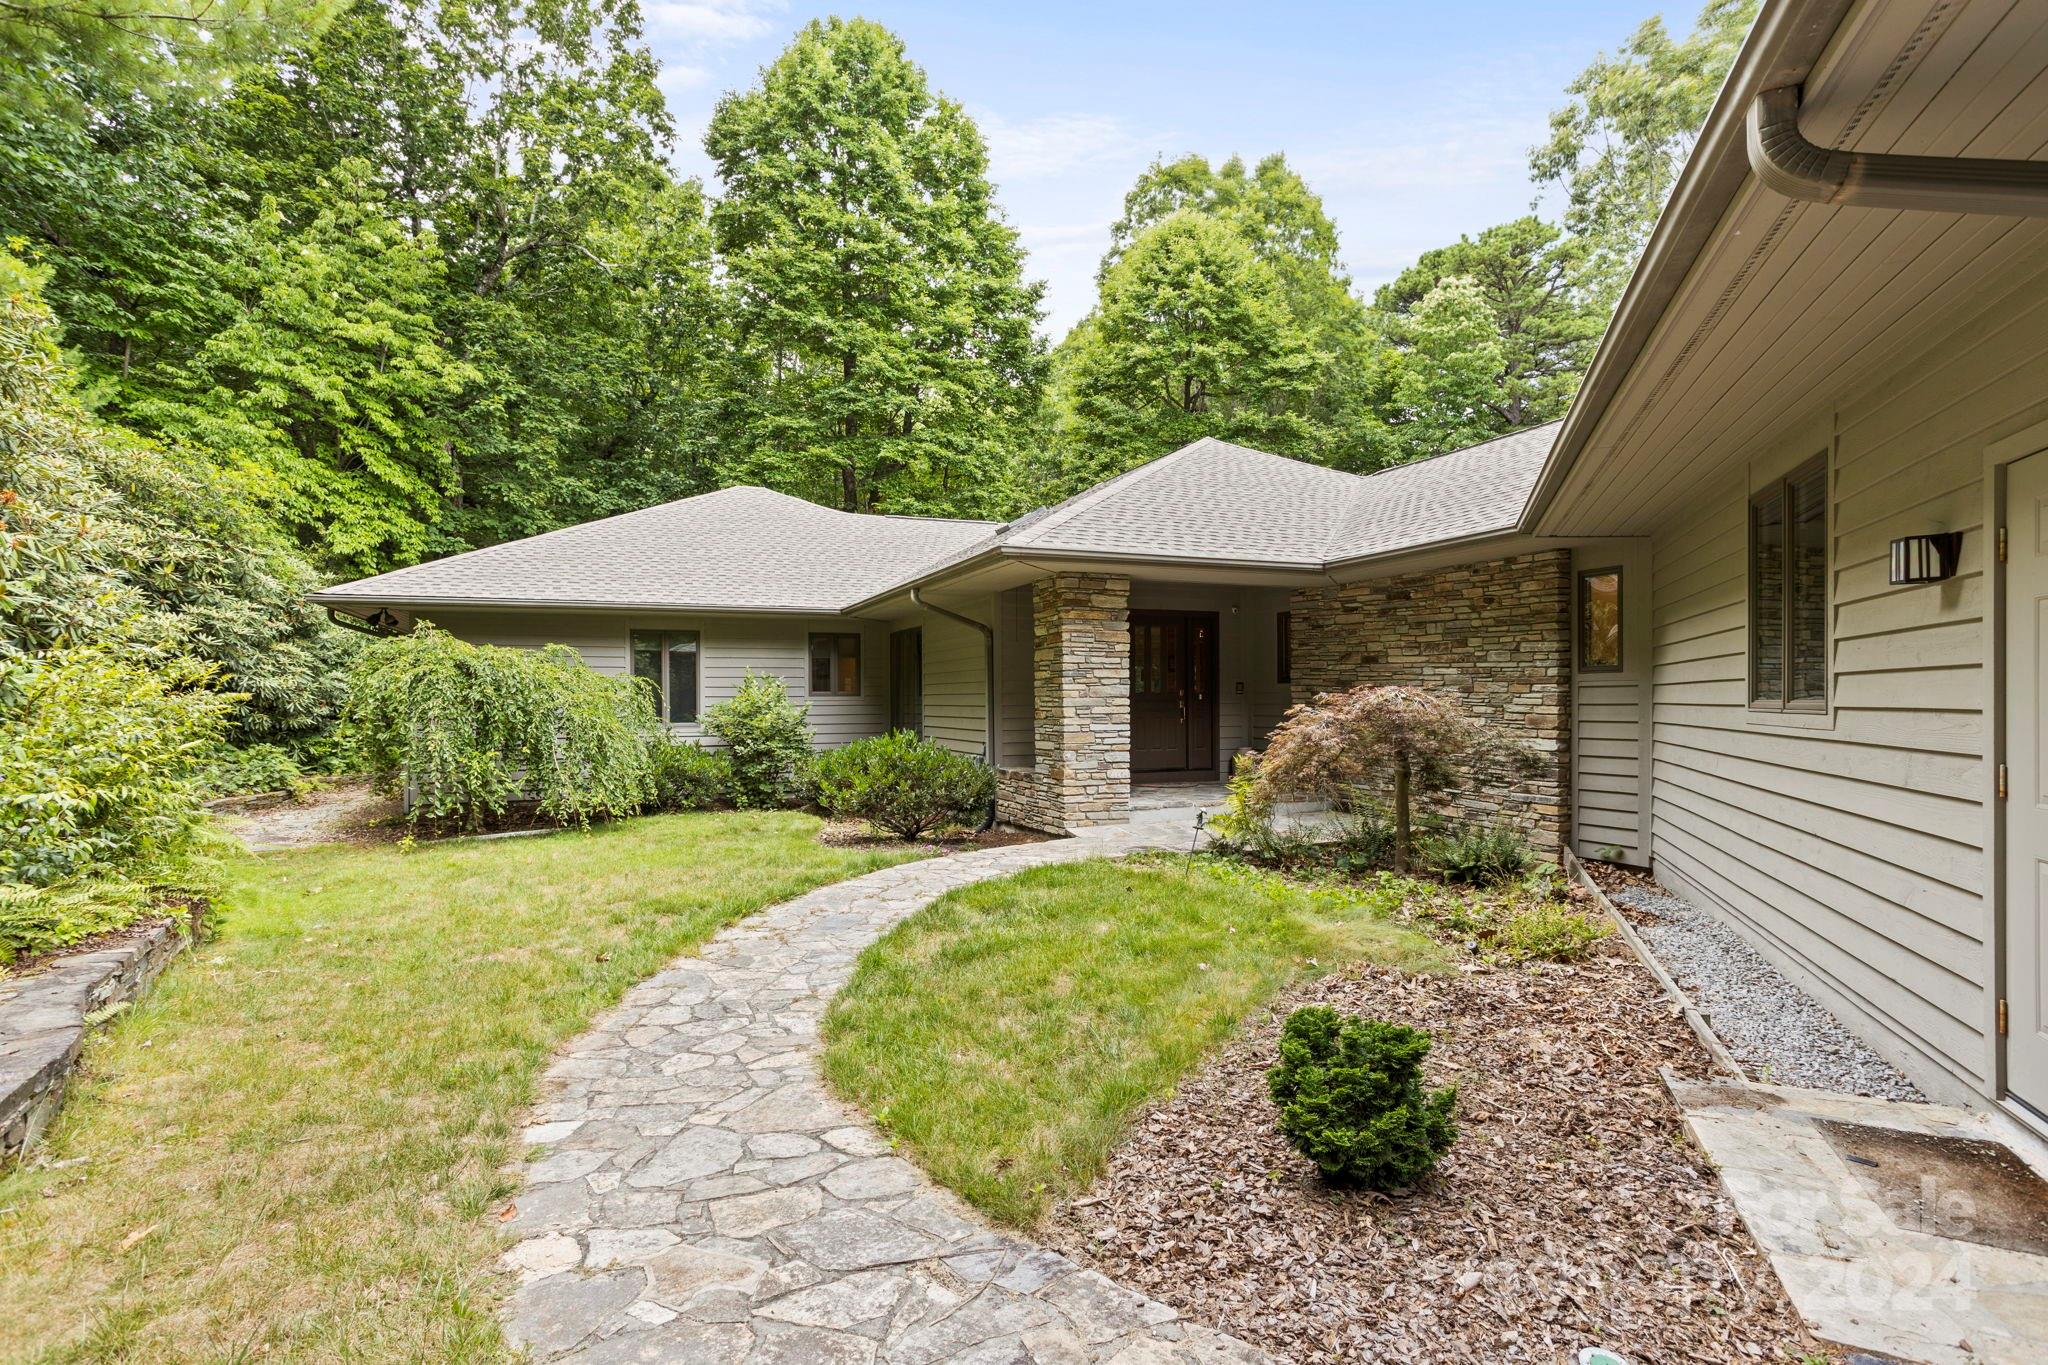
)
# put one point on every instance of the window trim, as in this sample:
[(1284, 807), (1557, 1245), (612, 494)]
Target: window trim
[(1781, 488), (1283, 647), (1620, 664), (661, 689), (860, 675)]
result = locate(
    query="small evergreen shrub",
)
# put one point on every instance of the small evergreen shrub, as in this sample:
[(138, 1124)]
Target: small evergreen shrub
[(903, 784), (1480, 856), (689, 776), (768, 738), (1352, 1099), (477, 727)]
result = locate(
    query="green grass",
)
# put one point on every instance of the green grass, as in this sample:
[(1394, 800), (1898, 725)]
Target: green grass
[(1009, 1032), (292, 1148)]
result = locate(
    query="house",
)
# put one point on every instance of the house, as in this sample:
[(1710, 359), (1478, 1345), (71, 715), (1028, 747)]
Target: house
[(1772, 600)]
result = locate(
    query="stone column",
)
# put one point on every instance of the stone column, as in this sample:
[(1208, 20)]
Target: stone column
[(1081, 707)]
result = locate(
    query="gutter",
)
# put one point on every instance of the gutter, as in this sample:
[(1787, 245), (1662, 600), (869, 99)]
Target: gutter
[(1781, 50), (1786, 162), (988, 642)]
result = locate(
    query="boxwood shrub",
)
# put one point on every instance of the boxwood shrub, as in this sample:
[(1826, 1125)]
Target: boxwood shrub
[(904, 784)]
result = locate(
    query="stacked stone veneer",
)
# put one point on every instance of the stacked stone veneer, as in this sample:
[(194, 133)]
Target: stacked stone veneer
[(1497, 633), (1081, 708)]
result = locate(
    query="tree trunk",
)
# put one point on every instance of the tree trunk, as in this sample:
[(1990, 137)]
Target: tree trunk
[(1403, 826)]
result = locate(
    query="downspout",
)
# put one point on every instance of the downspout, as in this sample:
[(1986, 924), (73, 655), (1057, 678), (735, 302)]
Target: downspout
[(1785, 161), (988, 642)]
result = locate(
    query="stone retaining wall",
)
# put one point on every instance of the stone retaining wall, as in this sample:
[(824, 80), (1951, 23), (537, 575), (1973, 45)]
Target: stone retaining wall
[(44, 1019), (1497, 633)]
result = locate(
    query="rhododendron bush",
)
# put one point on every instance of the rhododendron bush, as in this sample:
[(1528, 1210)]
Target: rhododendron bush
[(1384, 746)]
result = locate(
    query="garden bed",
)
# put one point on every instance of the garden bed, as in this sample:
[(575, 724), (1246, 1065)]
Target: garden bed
[(1570, 1213)]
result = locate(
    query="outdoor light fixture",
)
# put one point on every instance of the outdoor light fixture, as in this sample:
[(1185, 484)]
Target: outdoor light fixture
[(1926, 559)]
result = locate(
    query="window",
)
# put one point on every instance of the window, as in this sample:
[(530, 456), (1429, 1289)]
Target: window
[(668, 659), (835, 665), (1283, 648), (1600, 621), (1788, 590)]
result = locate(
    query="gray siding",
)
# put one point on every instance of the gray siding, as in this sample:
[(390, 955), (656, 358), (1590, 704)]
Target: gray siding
[(1611, 718), (1851, 846), (955, 694), (732, 647)]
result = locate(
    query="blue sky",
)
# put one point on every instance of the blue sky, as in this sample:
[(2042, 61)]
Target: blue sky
[(1413, 120)]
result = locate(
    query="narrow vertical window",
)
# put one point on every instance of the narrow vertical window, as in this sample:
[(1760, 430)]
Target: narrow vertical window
[(1806, 579), (1788, 592), (1283, 648), (647, 664), (682, 676), (1600, 621)]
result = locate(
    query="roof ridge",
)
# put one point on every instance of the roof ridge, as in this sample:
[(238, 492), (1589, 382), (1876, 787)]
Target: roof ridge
[(1062, 512)]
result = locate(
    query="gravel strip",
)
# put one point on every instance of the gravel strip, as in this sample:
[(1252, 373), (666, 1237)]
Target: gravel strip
[(1775, 1029)]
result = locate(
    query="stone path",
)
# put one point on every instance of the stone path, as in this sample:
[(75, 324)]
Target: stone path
[(699, 1197)]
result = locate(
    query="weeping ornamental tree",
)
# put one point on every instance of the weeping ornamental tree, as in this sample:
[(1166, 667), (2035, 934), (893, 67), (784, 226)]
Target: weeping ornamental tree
[(1385, 744), (474, 728)]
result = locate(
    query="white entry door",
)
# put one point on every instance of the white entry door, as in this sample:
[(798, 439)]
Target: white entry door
[(2026, 804)]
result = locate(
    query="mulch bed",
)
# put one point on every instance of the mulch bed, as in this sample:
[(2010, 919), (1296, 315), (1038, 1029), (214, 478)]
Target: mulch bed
[(1572, 1212)]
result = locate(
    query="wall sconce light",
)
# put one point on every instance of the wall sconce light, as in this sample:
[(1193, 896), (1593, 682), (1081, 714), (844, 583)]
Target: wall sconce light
[(1926, 559)]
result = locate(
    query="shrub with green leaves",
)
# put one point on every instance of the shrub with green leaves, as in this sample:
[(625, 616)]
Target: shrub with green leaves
[(689, 776), (768, 737), (904, 784), (1479, 855), (100, 761), (1552, 932), (474, 728), (1352, 1099)]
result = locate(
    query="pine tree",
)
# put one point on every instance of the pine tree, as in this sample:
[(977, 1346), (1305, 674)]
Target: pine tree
[(879, 313)]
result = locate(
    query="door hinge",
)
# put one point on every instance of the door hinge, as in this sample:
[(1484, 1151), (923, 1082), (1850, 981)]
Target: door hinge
[(2001, 782), (2001, 1016), (2001, 545)]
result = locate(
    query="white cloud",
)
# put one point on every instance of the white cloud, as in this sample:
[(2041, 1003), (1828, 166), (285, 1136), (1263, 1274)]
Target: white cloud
[(1054, 144), (711, 22)]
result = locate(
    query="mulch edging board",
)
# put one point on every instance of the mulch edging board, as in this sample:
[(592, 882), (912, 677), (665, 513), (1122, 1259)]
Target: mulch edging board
[(44, 1019)]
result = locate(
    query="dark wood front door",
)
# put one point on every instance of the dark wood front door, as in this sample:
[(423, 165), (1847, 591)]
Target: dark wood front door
[(1173, 695)]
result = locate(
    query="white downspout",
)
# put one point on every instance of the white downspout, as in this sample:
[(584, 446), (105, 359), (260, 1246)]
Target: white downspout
[(988, 638)]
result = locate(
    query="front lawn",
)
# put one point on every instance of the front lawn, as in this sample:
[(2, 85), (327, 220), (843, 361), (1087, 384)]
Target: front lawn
[(290, 1149), (1008, 1032)]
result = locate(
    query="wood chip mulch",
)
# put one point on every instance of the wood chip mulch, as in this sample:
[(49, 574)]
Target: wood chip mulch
[(1570, 1213)]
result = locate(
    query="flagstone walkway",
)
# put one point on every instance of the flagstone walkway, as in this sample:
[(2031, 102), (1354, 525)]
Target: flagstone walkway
[(699, 1197)]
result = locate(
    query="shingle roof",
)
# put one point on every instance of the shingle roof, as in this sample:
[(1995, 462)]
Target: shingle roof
[(737, 549), (750, 549), (1470, 492)]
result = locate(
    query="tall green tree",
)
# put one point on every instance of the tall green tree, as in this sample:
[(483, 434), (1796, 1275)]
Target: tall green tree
[(1616, 148), (147, 47), (330, 390), (880, 317), (1530, 277), (1192, 337), (1440, 374), (1284, 222), (106, 539)]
